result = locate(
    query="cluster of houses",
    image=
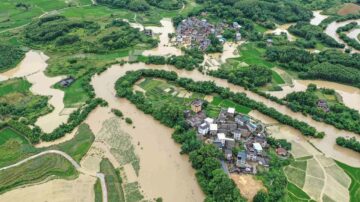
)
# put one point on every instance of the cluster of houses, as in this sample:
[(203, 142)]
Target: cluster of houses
[(232, 130), (193, 31)]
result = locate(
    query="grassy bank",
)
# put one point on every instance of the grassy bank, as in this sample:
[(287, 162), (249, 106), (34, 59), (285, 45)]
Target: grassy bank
[(113, 181), (354, 174), (14, 147)]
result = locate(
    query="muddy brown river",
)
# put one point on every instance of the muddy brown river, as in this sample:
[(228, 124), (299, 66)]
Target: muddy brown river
[(325, 145)]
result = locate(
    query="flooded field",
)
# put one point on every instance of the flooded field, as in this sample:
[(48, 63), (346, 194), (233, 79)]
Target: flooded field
[(164, 47), (58, 190), (318, 17), (173, 173), (282, 29), (33, 67)]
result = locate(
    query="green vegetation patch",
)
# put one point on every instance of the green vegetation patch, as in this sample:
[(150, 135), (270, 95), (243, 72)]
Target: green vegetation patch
[(295, 175), (78, 146), (354, 174), (10, 56), (297, 192), (13, 147), (251, 54), (132, 192), (299, 164), (14, 86), (98, 191), (37, 170), (17, 101), (113, 181)]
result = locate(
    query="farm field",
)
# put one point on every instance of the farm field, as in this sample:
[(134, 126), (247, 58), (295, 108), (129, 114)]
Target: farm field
[(331, 182), (36, 170)]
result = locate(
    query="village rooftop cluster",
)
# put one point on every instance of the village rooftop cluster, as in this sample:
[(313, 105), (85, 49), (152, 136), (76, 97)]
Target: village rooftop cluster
[(195, 32), (229, 130)]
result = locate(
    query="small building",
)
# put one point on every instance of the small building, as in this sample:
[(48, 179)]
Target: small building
[(258, 148), (203, 129), (241, 159), (269, 42), (241, 120), (218, 144), (209, 120), (228, 154), (237, 36), (236, 25), (196, 105), (229, 143), (237, 134), (221, 137), (323, 105), (67, 82), (148, 32), (251, 127), (213, 129), (263, 161), (281, 151), (231, 111)]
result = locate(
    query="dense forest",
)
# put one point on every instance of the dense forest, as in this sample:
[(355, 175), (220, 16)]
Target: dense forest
[(312, 33), (250, 76), (10, 56), (329, 65), (61, 31)]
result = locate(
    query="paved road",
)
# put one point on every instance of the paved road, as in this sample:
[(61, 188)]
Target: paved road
[(101, 176)]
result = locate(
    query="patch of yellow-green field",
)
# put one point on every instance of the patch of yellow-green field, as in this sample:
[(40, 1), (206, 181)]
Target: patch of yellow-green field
[(313, 187), (120, 143), (314, 169), (296, 176), (36, 170)]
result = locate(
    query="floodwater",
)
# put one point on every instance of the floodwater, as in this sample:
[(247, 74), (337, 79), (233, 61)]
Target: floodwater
[(57, 190), (350, 95), (354, 34), (318, 17), (160, 160), (164, 47), (33, 67), (282, 29), (326, 145), (332, 27)]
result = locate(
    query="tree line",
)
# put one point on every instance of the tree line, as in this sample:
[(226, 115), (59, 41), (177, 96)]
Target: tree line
[(350, 143)]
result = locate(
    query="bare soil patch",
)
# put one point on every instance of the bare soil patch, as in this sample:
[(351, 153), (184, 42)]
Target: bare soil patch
[(349, 8), (248, 185)]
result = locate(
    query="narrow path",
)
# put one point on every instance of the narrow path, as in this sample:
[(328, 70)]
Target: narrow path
[(101, 176)]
